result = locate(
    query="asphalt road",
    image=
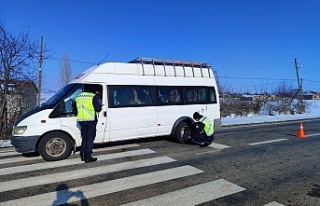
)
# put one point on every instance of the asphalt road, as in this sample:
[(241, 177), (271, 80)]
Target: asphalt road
[(263, 164)]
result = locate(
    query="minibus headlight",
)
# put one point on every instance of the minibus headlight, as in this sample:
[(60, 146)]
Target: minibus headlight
[(19, 130)]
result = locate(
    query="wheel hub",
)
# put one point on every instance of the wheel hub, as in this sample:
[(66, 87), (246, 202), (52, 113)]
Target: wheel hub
[(56, 146)]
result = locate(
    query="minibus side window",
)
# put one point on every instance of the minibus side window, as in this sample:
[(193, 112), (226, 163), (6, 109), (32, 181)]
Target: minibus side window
[(197, 95), (191, 94), (169, 95), (141, 95), (130, 96), (120, 96), (213, 98)]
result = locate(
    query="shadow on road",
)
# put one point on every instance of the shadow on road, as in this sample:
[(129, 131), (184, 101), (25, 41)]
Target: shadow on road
[(64, 195)]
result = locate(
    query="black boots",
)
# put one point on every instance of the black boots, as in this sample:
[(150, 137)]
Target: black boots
[(82, 156), (87, 158), (201, 144)]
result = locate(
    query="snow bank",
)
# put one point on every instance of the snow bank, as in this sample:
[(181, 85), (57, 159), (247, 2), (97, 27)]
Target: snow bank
[(5, 143), (313, 111)]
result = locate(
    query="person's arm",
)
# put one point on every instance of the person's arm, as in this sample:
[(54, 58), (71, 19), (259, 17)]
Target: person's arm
[(200, 127), (96, 104)]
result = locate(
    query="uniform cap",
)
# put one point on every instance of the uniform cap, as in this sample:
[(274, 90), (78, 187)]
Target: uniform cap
[(196, 115)]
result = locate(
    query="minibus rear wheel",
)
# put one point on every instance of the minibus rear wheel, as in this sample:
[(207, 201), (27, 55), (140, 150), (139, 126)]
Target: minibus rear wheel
[(182, 132), (55, 146)]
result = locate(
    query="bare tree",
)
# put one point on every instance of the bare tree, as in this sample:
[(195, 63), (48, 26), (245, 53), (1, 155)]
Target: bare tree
[(284, 90), (286, 95), (65, 70), (17, 55)]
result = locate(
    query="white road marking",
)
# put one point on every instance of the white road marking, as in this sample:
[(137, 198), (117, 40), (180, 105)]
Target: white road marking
[(71, 175), (274, 204), (9, 153), (7, 150), (207, 152), (218, 146), (21, 158), (68, 162), (191, 196), (103, 188), (311, 135), (268, 142)]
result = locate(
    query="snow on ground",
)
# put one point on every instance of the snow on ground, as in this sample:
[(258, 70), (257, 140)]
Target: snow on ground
[(5, 143), (313, 111)]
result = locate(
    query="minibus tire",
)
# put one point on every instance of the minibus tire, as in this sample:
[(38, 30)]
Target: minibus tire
[(55, 146), (182, 132)]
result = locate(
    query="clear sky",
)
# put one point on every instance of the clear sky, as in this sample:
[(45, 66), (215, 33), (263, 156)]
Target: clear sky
[(251, 44)]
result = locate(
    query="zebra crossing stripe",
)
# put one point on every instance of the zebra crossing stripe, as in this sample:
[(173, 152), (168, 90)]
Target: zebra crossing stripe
[(104, 188), (192, 195), (71, 175), (22, 159), (17, 159), (68, 162), (6, 150), (9, 153)]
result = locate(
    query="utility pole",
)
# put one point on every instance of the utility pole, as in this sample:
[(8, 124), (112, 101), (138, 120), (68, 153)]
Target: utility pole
[(301, 107), (40, 70)]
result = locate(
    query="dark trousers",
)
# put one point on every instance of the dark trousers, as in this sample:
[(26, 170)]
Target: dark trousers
[(88, 133), (202, 137)]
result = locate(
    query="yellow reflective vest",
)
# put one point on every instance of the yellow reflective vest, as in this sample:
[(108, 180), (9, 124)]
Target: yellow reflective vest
[(208, 128), (85, 107)]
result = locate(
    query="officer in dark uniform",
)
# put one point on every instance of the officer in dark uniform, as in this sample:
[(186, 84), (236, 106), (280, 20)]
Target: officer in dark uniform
[(88, 108), (203, 133)]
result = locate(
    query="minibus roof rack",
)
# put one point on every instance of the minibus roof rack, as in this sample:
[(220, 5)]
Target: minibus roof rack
[(155, 61)]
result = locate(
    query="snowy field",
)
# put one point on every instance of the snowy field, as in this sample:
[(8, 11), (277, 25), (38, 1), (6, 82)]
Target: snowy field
[(313, 111)]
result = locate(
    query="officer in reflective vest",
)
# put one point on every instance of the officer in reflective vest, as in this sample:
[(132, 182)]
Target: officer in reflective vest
[(88, 108), (203, 133)]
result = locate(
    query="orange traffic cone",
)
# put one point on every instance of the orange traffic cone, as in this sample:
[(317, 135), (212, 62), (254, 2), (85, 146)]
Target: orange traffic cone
[(301, 131)]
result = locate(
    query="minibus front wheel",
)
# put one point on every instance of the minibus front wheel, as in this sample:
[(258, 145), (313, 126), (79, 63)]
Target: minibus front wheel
[(55, 146)]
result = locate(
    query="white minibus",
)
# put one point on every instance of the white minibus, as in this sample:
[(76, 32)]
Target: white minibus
[(145, 97)]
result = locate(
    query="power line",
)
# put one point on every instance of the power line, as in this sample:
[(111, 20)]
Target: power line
[(253, 68), (308, 80), (261, 78), (256, 78), (75, 61)]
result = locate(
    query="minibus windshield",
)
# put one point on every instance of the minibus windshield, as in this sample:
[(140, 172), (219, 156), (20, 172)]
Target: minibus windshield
[(59, 95)]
